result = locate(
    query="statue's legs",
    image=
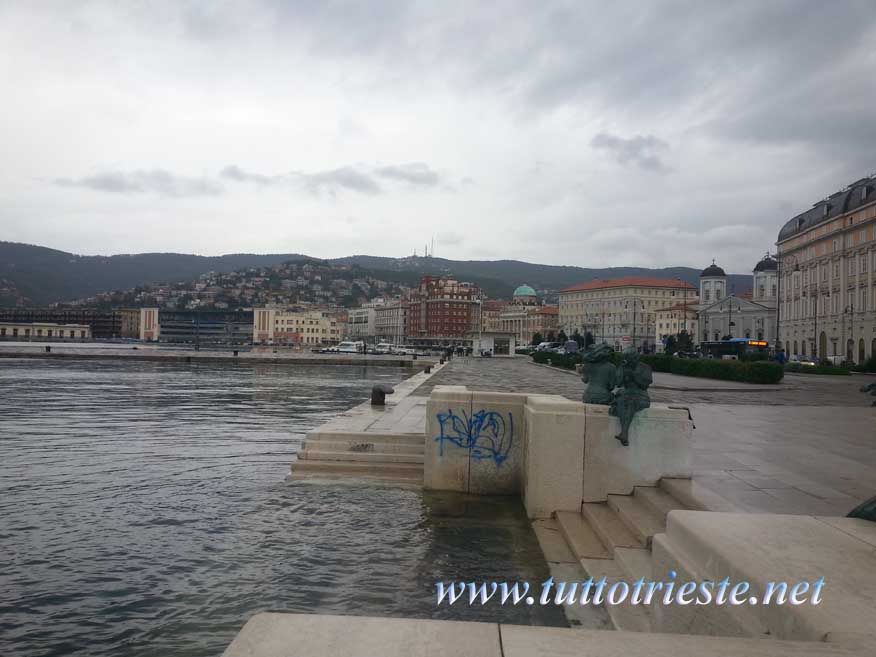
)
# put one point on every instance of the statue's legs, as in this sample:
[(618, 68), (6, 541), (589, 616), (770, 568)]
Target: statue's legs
[(625, 415)]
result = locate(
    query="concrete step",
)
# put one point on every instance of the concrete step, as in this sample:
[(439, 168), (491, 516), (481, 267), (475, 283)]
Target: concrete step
[(410, 470), (565, 567), (363, 445), (695, 496), (608, 526), (347, 478), (625, 616), (369, 437), (580, 537), (639, 518), (657, 499), (635, 562), (360, 457)]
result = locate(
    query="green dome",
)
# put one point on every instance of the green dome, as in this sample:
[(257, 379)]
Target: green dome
[(524, 291)]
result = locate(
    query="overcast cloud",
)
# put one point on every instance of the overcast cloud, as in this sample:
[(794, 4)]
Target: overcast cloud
[(581, 133)]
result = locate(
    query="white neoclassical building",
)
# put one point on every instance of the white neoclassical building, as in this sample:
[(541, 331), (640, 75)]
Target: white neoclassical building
[(738, 315)]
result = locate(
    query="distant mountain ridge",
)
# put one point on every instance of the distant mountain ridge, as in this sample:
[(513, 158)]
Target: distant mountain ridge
[(36, 275)]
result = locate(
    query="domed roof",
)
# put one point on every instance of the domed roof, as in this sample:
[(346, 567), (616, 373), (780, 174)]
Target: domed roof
[(712, 270), (768, 263), (524, 291)]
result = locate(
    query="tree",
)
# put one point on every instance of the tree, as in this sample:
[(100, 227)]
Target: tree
[(551, 336), (536, 338), (671, 345), (562, 337), (577, 337), (685, 341), (588, 339)]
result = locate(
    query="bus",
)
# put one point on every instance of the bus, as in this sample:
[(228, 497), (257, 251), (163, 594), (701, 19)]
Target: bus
[(734, 348)]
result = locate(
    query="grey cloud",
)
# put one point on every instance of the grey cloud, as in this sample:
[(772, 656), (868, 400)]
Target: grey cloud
[(640, 150), (351, 178), (414, 173), (342, 178), (237, 174), (152, 181)]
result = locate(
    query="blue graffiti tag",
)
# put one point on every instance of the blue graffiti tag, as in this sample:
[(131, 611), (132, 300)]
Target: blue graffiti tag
[(485, 433)]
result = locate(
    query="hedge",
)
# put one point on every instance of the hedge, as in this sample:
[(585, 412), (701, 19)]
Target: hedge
[(564, 361), (708, 368), (711, 368), (797, 368), (868, 365)]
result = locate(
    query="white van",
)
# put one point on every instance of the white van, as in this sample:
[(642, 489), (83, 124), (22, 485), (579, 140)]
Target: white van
[(385, 348), (351, 347)]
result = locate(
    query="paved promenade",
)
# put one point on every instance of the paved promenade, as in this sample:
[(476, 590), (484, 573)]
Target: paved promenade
[(805, 446), (173, 353)]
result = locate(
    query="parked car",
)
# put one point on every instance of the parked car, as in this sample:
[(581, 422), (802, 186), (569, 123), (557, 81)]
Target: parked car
[(351, 347), (547, 346), (802, 360)]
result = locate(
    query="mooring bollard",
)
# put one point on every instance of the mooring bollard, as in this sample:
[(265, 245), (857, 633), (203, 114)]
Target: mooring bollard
[(428, 369), (441, 362), (235, 352), (379, 393), (48, 349)]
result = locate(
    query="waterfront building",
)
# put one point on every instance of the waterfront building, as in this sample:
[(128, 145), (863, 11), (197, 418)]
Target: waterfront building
[(723, 314), (130, 322), (672, 320), (620, 312), (444, 311), (277, 326), (390, 322), (148, 326), (525, 316), (362, 321), (103, 324), (827, 276), (490, 311), (29, 331)]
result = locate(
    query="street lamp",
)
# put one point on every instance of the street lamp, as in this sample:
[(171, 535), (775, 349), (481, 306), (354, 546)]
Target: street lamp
[(850, 349), (789, 258)]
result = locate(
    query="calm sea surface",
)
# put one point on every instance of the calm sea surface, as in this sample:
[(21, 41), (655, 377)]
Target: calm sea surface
[(143, 511)]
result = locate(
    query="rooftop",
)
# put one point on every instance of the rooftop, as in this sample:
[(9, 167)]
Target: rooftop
[(631, 281), (859, 193)]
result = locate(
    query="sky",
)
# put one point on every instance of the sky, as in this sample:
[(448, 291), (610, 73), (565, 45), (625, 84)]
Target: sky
[(579, 133)]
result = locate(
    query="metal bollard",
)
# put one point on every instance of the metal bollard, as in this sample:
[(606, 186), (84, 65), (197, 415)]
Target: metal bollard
[(48, 349), (379, 393)]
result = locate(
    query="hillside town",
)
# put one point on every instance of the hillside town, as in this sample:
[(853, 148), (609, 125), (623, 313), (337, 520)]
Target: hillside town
[(814, 299)]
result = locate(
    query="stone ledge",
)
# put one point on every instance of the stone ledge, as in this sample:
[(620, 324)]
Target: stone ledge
[(303, 635), (762, 548)]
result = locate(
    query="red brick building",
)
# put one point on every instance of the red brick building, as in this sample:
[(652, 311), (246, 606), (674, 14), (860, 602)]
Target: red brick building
[(444, 311)]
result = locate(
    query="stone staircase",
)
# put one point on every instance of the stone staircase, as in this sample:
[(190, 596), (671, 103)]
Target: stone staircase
[(351, 456), (613, 540)]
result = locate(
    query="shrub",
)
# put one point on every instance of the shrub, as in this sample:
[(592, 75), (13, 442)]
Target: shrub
[(797, 368), (707, 368), (710, 368), (565, 361), (868, 365)]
